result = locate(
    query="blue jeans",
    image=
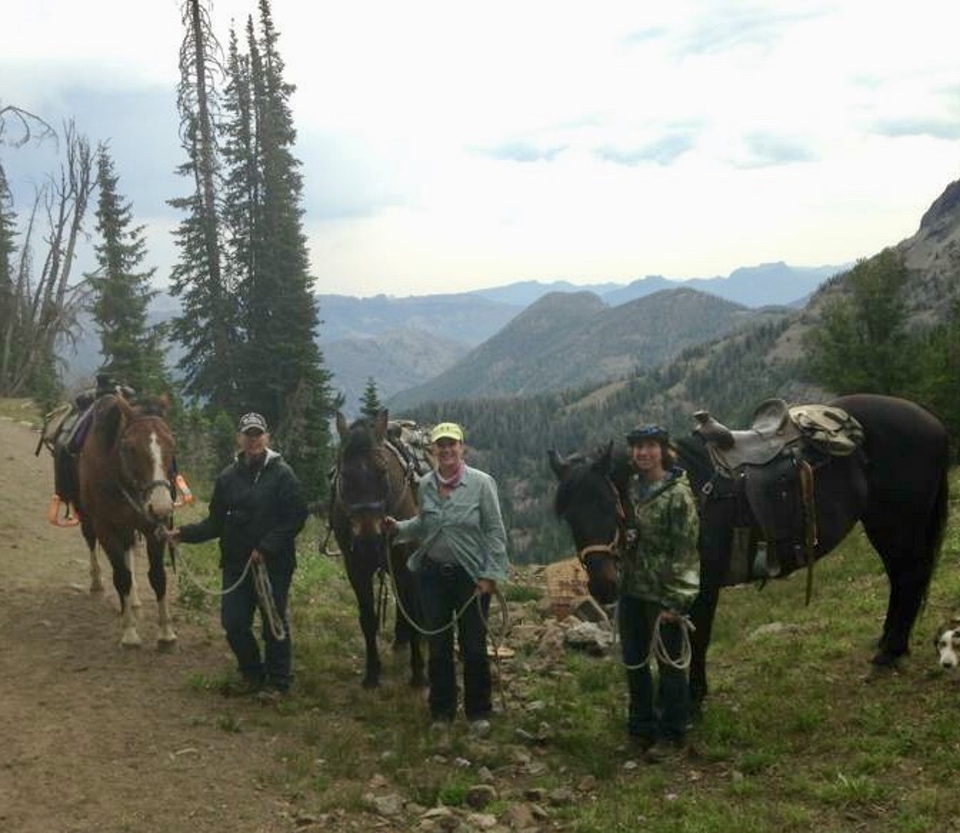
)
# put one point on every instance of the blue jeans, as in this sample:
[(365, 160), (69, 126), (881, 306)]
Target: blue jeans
[(649, 717), (444, 590), (236, 615)]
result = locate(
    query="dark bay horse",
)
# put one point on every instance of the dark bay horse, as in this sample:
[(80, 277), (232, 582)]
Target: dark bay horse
[(895, 485), (124, 476), (372, 481)]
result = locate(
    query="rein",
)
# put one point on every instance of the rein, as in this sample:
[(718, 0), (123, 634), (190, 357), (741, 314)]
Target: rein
[(611, 550)]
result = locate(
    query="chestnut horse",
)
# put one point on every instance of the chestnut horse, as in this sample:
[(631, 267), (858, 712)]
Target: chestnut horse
[(895, 486), (371, 481), (124, 475)]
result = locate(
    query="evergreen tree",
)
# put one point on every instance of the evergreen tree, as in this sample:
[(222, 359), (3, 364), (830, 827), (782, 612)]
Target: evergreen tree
[(131, 350), (282, 367), (370, 401), (861, 343), (207, 327)]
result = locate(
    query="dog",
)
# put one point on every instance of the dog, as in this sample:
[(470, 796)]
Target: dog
[(947, 644)]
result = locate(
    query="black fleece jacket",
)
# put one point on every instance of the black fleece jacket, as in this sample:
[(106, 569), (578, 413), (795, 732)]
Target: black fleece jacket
[(253, 508)]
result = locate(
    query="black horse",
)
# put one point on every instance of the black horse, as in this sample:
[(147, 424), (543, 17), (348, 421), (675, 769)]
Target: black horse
[(372, 481), (895, 485)]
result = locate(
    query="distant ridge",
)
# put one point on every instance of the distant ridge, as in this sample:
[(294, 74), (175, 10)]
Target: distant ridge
[(568, 340)]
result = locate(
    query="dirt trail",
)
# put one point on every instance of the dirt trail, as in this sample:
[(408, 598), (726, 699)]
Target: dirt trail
[(94, 737)]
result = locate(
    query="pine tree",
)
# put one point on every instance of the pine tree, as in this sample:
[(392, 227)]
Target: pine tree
[(207, 326), (370, 401), (861, 342), (131, 350), (282, 367)]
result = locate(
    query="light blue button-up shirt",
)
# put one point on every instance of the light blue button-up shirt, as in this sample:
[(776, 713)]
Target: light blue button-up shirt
[(468, 519)]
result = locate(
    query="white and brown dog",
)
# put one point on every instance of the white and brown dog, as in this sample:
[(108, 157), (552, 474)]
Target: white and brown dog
[(947, 643)]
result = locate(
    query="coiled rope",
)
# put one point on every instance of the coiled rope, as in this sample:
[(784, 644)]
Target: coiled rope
[(658, 650), (496, 641), (261, 584)]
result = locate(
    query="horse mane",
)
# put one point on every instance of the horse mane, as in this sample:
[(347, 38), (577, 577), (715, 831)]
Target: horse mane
[(693, 457), (108, 418)]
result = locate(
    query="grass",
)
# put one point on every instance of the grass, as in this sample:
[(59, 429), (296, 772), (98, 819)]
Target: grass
[(799, 733)]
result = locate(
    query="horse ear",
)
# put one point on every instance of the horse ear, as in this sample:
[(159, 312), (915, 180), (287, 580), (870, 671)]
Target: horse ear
[(559, 466), (604, 461), (381, 423), (342, 428)]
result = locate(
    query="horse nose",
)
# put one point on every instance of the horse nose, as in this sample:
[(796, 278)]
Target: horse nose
[(160, 504)]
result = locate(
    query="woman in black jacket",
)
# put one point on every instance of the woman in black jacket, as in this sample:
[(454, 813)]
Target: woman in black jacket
[(256, 511)]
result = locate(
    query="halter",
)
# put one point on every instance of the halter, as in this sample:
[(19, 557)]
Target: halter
[(612, 549), (139, 491), (378, 507)]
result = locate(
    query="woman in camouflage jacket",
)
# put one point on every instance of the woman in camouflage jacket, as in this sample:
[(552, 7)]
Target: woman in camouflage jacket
[(660, 578)]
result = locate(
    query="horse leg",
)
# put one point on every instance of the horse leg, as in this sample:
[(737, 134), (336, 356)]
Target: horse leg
[(908, 569), (702, 615), (131, 554), (408, 609), (361, 579), (166, 637), (117, 553), (96, 576)]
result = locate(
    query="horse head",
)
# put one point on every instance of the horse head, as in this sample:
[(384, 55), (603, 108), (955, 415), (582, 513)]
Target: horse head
[(588, 500), (365, 486), (138, 440)]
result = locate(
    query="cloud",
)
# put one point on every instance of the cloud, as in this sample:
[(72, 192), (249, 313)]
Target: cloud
[(520, 151), (663, 151)]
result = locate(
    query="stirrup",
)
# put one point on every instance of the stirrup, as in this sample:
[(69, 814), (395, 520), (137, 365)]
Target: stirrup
[(69, 514), (184, 495)]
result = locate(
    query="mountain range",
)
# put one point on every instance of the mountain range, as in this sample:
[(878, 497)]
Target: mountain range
[(405, 343)]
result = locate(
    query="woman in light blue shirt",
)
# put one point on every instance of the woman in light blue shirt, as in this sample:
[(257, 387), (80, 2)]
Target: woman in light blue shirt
[(461, 557)]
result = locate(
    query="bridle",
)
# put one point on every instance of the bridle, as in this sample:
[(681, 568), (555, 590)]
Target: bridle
[(389, 501), (132, 490), (611, 549)]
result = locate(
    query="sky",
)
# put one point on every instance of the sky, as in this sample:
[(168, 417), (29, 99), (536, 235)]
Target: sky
[(449, 146)]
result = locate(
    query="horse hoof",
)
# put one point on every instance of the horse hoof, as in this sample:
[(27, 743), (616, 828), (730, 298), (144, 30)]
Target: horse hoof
[(370, 682), (885, 662), (166, 646), (130, 643), (418, 681)]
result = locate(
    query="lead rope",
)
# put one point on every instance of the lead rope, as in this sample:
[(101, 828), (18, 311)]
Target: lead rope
[(179, 559), (268, 605), (475, 597), (659, 651), (261, 583)]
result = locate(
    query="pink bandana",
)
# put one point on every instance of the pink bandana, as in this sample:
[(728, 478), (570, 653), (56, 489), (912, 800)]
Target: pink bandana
[(453, 480)]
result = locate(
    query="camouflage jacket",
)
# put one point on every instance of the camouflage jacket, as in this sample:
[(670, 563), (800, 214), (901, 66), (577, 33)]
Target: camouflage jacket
[(661, 562)]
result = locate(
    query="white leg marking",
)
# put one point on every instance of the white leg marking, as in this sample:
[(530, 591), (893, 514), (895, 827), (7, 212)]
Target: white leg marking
[(167, 636), (130, 558), (130, 638)]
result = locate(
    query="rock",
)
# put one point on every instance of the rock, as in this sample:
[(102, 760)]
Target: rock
[(480, 795)]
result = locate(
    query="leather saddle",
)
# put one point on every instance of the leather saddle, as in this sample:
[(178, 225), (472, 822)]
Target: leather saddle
[(769, 464), (771, 432)]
